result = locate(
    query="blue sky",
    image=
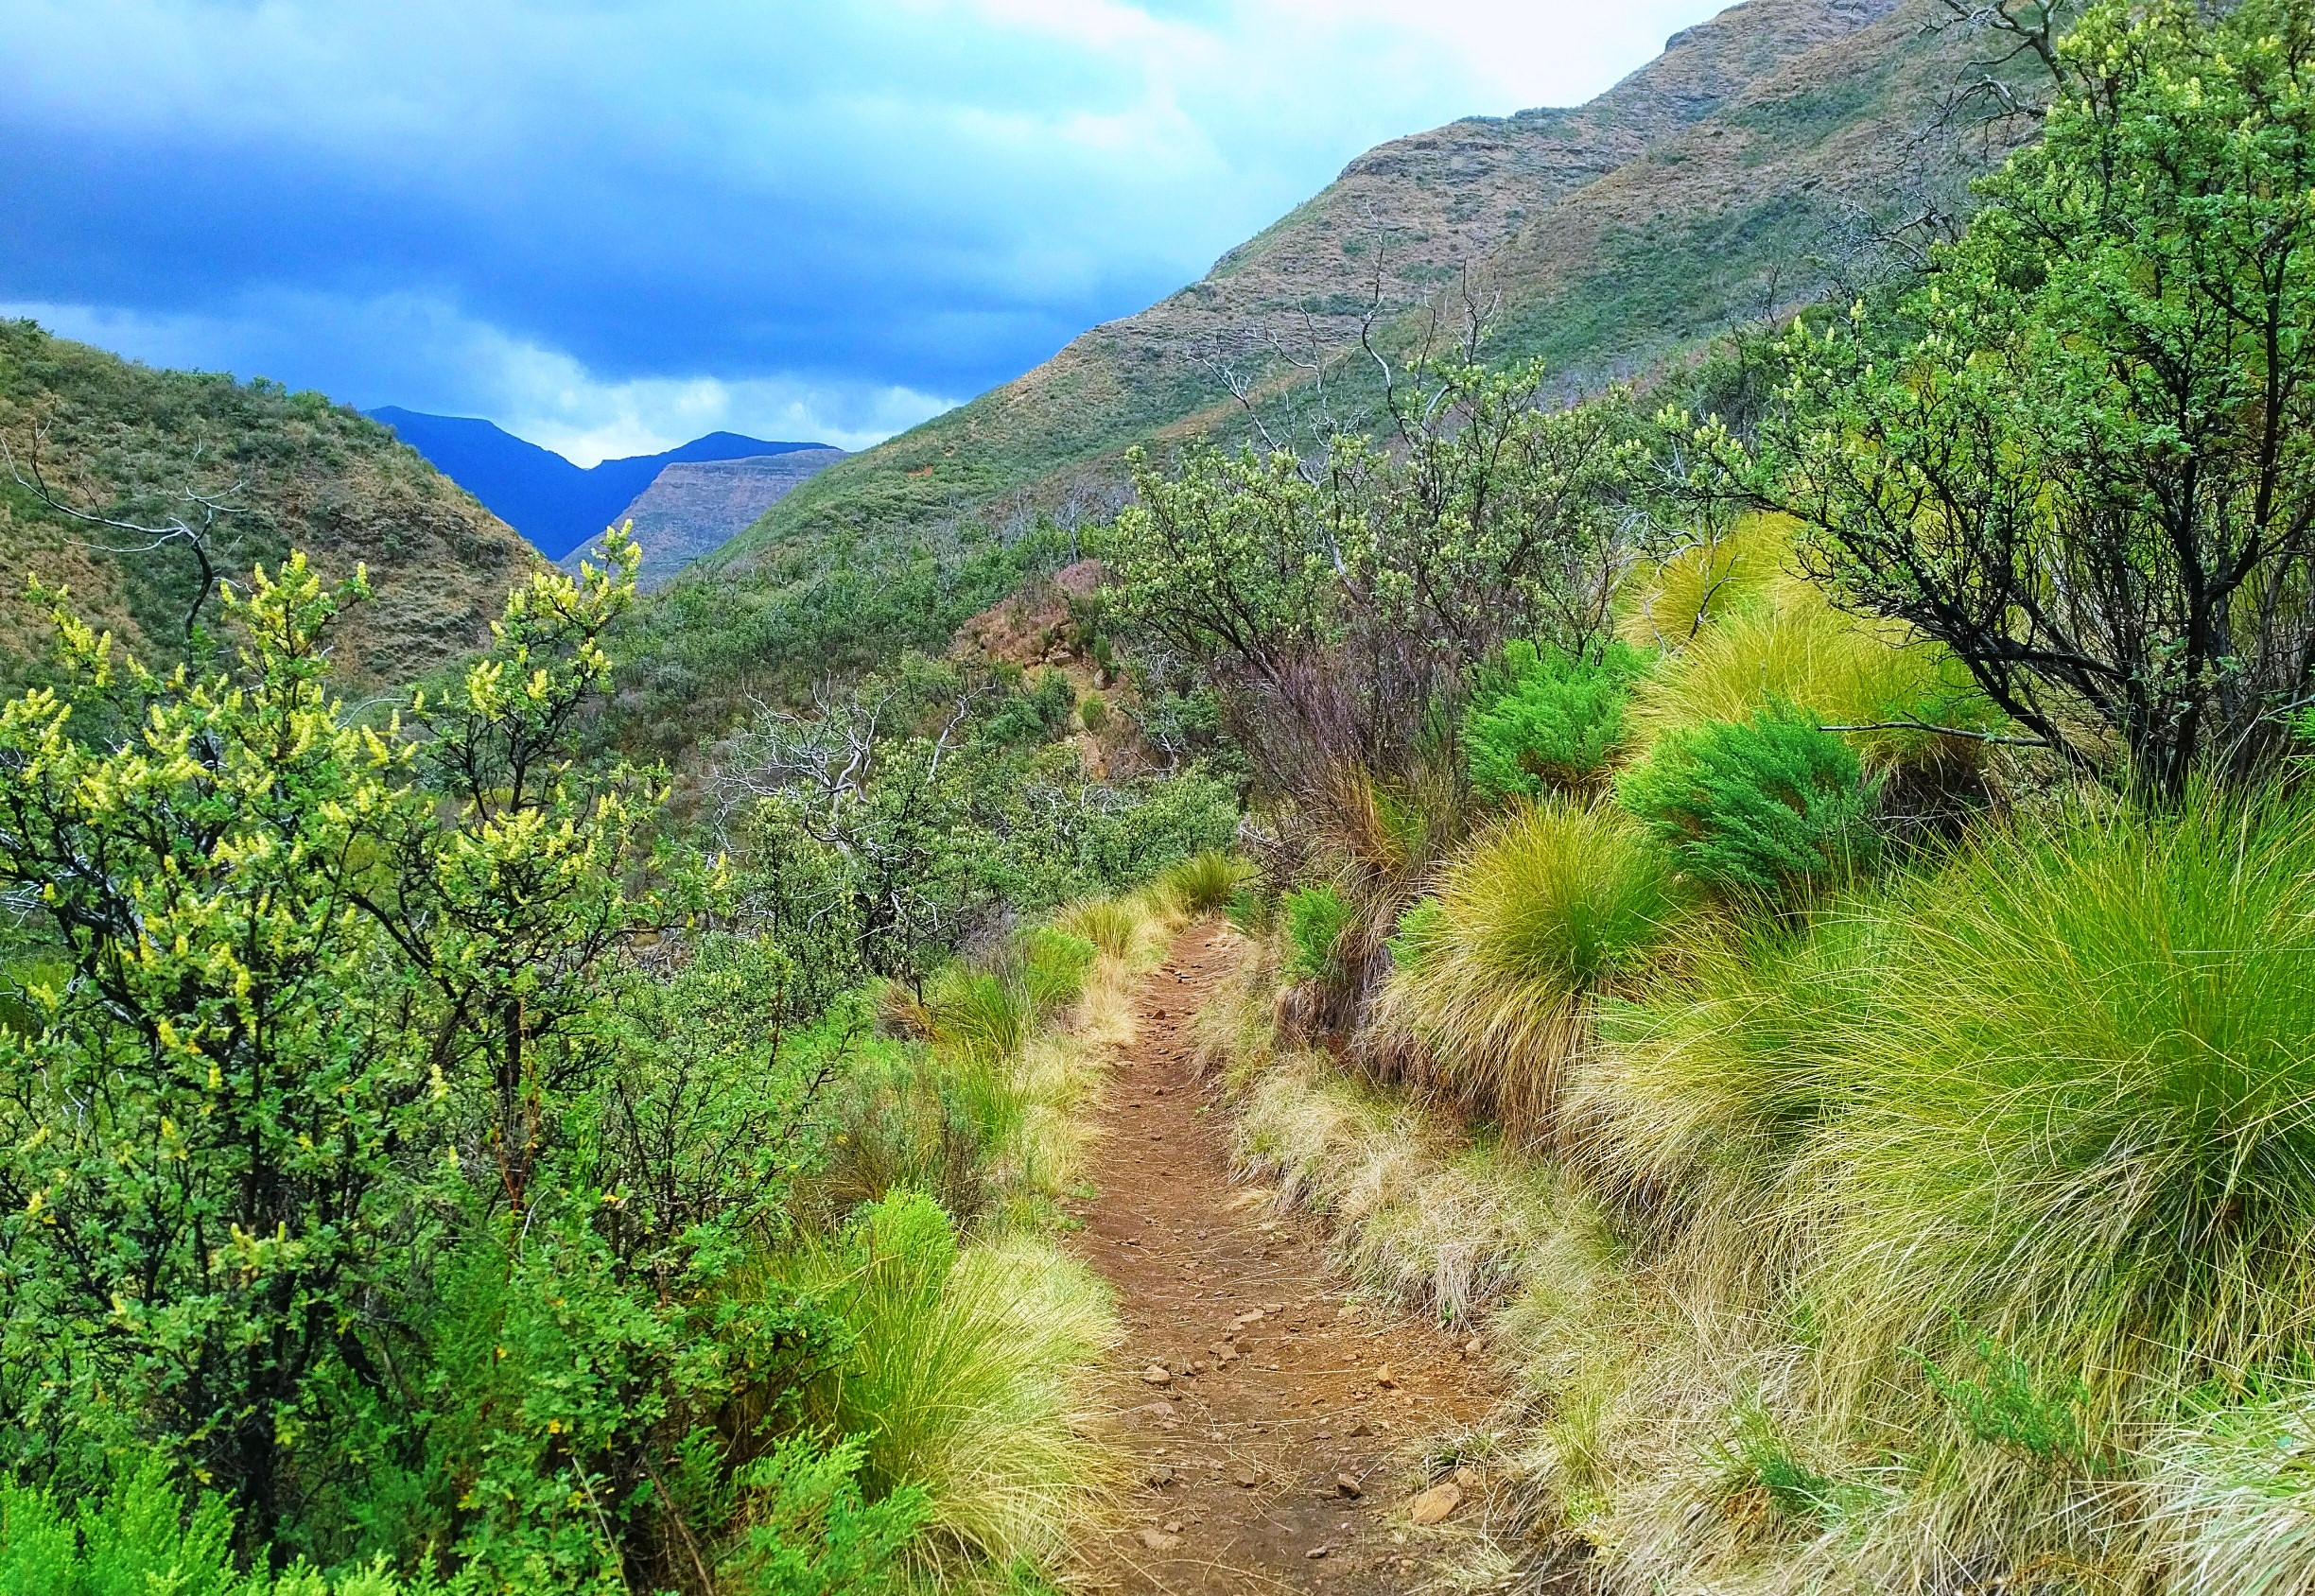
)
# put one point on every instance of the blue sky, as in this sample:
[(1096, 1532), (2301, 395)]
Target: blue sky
[(611, 225)]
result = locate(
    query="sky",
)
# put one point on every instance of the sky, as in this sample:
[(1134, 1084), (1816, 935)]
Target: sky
[(612, 225)]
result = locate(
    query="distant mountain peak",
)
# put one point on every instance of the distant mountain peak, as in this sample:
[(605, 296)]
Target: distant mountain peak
[(558, 506)]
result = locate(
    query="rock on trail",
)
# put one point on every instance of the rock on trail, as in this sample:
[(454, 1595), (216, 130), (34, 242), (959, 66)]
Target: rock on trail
[(1284, 1452)]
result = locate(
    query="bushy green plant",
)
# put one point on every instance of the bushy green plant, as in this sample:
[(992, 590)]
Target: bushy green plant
[(137, 1533), (1550, 719), (1315, 919), (1094, 712), (1761, 805), (1422, 926)]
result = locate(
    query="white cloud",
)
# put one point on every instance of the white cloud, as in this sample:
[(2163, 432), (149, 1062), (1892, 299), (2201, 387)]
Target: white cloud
[(461, 367), (606, 222)]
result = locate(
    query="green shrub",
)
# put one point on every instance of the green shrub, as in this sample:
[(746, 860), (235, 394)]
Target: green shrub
[(1205, 882), (1421, 926), (962, 1376), (1315, 920), (1094, 712), (1761, 805), (1551, 720), (806, 1531)]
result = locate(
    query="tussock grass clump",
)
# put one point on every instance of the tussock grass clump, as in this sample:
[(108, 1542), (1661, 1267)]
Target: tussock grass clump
[(2233, 1488), (1789, 644), (1203, 882), (1668, 603), (1110, 924), (1496, 975), (2078, 1101), (965, 1376)]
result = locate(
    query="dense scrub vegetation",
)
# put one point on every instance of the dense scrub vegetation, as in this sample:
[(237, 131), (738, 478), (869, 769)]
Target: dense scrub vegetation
[(429, 1167), (1799, 911)]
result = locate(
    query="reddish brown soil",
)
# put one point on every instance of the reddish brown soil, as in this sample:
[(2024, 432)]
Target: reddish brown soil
[(1239, 1454)]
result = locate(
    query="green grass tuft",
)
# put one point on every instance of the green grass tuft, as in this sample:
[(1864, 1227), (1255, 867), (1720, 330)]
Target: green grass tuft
[(1496, 979), (963, 1380)]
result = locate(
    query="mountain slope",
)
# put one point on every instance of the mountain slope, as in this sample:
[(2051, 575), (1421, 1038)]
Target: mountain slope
[(557, 505), (1725, 181), (295, 471), (1685, 199), (694, 507)]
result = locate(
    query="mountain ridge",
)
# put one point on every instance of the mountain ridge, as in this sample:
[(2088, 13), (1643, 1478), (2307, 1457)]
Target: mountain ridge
[(1698, 183), (116, 438), (559, 506)]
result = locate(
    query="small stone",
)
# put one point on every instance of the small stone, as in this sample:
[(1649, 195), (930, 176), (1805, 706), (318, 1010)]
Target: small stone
[(1474, 1346), (1348, 1485), (1315, 1551), (1245, 1319), (1158, 1374), (1246, 1475), (1154, 1409), (1160, 1476), (1157, 1540), (1273, 1308), (1384, 1378), (1469, 1479), (1434, 1506), (1361, 1428), (1173, 1526)]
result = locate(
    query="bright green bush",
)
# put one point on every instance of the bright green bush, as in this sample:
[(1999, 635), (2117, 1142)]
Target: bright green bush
[(1422, 926), (1315, 920), (1761, 805), (1551, 720)]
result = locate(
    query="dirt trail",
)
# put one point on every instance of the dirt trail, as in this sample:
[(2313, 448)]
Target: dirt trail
[(1279, 1400)]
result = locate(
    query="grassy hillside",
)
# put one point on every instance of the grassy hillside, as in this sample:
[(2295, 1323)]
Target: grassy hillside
[(1709, 188), (292, 470)]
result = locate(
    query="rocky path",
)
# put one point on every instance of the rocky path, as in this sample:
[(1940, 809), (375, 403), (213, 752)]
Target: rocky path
[(1275, 1428)]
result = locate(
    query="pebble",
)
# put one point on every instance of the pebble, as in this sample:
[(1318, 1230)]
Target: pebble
[(1434, 1506), (1315, 1551), (1158, 1374), (1244, 1474), (1157, 1540), (1163, 1475), (1469, 1479), (1474, 1346), (1349, 1486), (1383, 1378)]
